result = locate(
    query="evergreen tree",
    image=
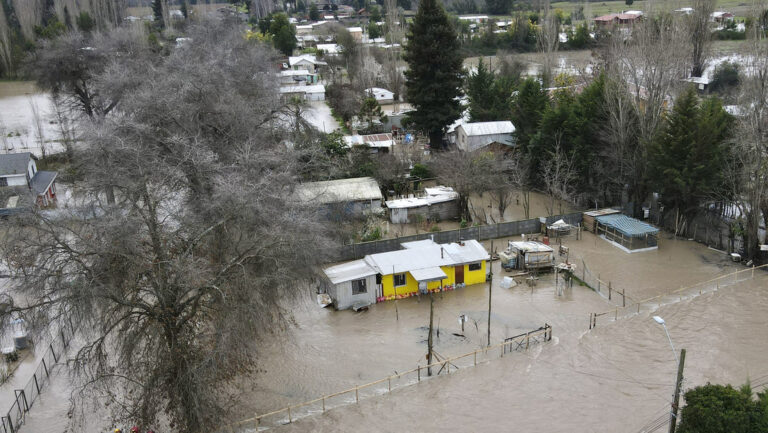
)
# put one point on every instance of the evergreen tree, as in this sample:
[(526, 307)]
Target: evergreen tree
[(157, 11), (489, 95), (498, 7), (314, 14), (527, 108), (185, 9), (724, 409), (687, 158), (283, 34), (434, 75)]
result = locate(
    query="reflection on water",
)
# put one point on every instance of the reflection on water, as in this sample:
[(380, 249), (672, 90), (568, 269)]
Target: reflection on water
[(19, 100)]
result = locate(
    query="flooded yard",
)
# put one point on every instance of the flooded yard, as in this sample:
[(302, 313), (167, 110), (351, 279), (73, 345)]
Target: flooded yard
[(27, 119), (596, 375)]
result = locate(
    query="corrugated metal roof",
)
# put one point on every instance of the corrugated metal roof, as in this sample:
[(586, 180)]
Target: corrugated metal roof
[(606, 211), (628, 226), (317, 88), (531, 246), (337, 191), (372, 140), (488, 128), (427, 255), (418, 244), (436, 195), (428, 274), (42, 180), (349, 271)]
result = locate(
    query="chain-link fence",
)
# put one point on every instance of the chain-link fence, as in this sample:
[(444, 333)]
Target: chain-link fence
[(54, 355), (440, 365)]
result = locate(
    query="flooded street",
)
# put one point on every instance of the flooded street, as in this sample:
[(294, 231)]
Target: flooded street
[(611, 379)]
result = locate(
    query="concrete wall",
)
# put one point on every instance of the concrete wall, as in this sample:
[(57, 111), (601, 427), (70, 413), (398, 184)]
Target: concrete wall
[(16, 180)]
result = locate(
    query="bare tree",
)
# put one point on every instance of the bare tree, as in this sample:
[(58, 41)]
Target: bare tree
[(6, 54), (467, 173), (752, 143), (65, 122), (548, 41), (520, 176), (177, 280), (29, 14), (558, 173), (37, 122), (700, 34)]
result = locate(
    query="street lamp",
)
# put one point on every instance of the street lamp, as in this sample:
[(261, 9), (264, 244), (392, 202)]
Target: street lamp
[(661, 322), (679, 382)]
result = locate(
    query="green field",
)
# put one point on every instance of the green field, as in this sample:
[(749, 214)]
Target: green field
[(737, 7)]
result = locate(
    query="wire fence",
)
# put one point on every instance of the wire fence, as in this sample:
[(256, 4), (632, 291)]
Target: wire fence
[(630, 307), (385, 385), (25, 397), (606, 289)]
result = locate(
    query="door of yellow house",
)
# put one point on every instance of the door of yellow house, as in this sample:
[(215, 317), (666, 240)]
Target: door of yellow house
[(459, 272)]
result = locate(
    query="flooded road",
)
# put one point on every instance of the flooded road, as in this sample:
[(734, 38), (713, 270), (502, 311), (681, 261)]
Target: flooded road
[(328, 351)]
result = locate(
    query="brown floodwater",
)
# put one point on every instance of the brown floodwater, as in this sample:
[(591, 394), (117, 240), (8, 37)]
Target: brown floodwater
[(617, 377), (19, 101)]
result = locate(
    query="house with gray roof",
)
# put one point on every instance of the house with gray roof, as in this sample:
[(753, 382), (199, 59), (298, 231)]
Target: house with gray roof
[(18, 172), (477, 135)]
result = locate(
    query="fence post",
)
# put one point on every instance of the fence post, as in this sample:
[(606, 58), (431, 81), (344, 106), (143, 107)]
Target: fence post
[(527, 340), (289, 415), (590, 320), (357, 398), (616, 316), (418, 369), (475, 357), (45, 367), (34, 376), (323, 403), (610, 289), (10, 423), (389, 383), (63, 340), (624, 298)]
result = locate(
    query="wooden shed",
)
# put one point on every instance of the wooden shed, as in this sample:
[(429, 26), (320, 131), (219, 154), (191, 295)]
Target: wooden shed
[(590, 223)]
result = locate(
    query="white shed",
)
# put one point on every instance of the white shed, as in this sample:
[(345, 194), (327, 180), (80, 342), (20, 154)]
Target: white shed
[(352, 283), (309, 93), (473, 136), (383, 96)]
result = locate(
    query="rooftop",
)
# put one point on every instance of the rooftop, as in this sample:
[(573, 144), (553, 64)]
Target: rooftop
[(341, 190), (349, 271), (42, 180), (372, 140), (435, 195), (488, 128), (423, 255), (628, 226), (14, 163), (530, 246), (317, 88)]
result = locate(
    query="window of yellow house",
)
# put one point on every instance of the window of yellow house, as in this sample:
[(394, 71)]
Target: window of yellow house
[(399, 280), (475, 266)]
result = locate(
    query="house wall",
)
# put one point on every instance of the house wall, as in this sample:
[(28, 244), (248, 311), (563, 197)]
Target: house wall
[(31, 168), (469, 144), (342, 293), (412, 286), (439, 211), (16, 180)]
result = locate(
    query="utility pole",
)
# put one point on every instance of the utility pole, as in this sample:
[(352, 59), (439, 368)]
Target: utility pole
[(429, 338), (490, 290), (678, 385)]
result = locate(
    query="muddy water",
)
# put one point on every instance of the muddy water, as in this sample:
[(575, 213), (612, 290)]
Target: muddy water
[(18, 102), (328, 351), (616, 378)]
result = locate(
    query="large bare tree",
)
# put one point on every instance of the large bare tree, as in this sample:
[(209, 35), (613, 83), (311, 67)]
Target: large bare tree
[(700, 34), (176, 281)]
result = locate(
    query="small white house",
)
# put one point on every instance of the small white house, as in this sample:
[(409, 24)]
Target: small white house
[(356, 33), (305, 61), (355, 196), (383, 96), (352, 283), (19, 170), (474, 136), (438, 203), (310, 93), (296, 77)]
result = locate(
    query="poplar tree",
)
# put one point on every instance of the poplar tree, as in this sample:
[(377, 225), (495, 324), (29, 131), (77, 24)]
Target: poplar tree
[(434, 75)]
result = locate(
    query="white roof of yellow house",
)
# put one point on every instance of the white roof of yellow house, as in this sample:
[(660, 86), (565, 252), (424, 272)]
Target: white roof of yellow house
[(426, 254)]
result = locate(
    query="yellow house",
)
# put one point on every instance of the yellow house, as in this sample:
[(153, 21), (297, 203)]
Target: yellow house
[(420, 267)]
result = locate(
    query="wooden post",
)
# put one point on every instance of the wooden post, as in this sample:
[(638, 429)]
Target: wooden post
[(610, 289), (678, 385), (623, 297), (34, 376), (616, 316), (418, 372), (323, 403), (490, 291), (289, 415), (475, 357), (357, 398), (429, 338), (527, 340), (590, 320)]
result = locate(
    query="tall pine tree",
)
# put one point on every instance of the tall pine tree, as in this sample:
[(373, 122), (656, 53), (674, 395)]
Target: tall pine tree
[(157, 11), (434, 75), (687, 157)]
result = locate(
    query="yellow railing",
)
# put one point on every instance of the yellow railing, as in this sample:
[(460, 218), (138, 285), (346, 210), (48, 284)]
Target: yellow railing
[(522, 341), (635, 307)]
